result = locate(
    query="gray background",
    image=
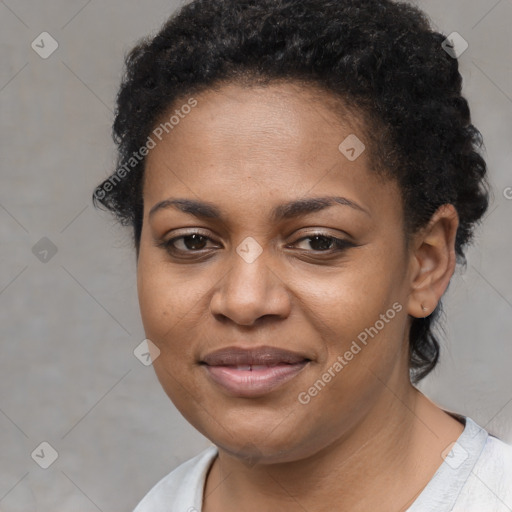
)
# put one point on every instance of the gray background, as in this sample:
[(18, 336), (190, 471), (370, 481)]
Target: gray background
[(69, 325)]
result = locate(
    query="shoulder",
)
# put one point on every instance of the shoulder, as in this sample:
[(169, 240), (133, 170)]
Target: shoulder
[(489, 485), (476, 476), (181, 488)]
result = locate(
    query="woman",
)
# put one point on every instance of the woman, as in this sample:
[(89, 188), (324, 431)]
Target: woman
[(301, 178)]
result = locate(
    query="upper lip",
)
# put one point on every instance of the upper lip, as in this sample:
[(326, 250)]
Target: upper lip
[(235, 356)]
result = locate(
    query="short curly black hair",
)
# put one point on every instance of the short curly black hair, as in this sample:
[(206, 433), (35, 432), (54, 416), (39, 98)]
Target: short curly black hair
[(379, 57)]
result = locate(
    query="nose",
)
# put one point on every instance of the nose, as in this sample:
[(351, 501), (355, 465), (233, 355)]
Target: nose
[(249, 292)]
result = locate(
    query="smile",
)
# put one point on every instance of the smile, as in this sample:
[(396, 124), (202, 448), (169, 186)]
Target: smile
[(254, 372)]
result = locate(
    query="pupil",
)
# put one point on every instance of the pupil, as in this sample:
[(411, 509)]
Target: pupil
[(194, 242), (321, 246)]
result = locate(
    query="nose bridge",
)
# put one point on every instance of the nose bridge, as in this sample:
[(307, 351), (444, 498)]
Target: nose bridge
[(250, 289), (247, 279)]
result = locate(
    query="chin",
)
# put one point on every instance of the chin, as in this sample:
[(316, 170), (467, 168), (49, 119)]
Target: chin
[(255, 442)]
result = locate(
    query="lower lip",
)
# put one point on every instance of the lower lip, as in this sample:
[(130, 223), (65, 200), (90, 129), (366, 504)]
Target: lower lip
[(251, 383)]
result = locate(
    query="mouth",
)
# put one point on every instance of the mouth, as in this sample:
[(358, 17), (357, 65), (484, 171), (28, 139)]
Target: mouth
[(254, 372)]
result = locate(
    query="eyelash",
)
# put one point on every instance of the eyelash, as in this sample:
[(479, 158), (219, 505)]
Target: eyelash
[(340, 245)]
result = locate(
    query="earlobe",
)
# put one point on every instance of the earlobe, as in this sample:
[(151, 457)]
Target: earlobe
[(433, 261)]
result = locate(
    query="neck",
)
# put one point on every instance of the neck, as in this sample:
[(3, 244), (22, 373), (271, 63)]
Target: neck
[(383, 463)]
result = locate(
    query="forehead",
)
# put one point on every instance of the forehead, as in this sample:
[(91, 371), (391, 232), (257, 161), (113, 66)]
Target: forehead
[(244, 144), (289, 118)]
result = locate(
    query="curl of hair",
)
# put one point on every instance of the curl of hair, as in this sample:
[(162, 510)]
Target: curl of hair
[(379, 58)]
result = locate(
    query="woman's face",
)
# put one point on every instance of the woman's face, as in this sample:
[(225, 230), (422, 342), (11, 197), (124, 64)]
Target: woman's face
[(275, 340)]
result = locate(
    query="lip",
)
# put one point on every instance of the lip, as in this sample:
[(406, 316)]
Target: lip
[(253, 372)]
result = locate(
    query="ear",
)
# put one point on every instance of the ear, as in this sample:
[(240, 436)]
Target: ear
[(432, 261)]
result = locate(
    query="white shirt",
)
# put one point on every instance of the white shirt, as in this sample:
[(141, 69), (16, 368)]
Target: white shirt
[(476, 476)]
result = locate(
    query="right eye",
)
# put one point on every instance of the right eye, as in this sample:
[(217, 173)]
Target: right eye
[(189, 243)]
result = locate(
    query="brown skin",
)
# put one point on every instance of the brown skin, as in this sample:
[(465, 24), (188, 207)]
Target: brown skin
[(369, 439)]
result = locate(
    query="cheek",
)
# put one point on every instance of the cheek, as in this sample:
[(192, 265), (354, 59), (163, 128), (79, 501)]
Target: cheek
[(163, 307), (343, 302), (170, 310), (174, 308), (166, 296), (162, 304), (153, 299)]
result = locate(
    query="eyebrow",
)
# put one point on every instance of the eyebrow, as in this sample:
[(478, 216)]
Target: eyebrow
[(292, 209)]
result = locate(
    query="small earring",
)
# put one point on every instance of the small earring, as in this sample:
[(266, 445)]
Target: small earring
[(423, 308)]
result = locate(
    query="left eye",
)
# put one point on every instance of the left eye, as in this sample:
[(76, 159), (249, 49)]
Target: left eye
[(324, 243)]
